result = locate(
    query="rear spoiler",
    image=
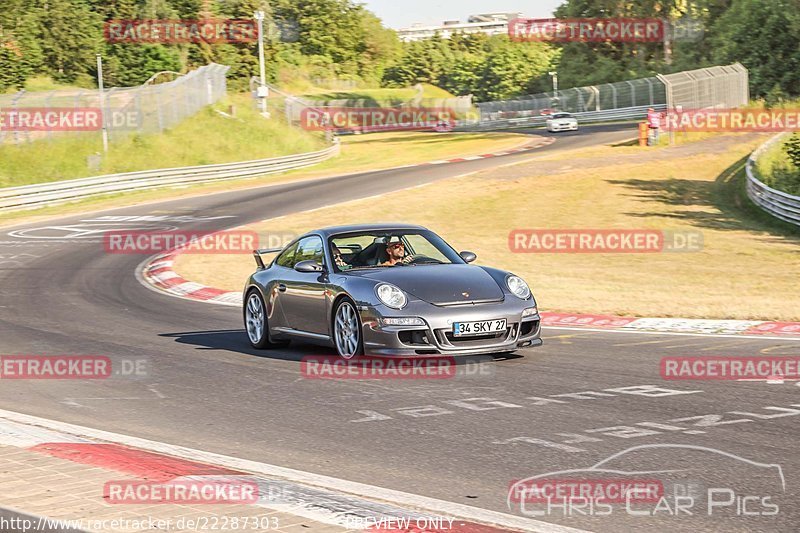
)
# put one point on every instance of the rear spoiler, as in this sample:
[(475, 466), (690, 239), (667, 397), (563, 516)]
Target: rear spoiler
[(257, 255)]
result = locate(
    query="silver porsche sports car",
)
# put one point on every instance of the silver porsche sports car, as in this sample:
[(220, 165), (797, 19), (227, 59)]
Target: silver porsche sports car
[(386, 289)]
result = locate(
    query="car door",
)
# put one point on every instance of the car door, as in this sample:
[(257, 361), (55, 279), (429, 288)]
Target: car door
[(304, 298), (276, 289)]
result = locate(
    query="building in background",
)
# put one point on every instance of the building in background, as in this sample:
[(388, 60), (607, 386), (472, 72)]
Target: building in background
[(488, 23)]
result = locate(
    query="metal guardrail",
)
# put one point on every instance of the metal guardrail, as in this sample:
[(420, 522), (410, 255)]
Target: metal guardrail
[(608, 115), (777, 203), (44, 194)]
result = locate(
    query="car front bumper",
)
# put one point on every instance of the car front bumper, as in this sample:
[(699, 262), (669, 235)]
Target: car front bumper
[(563, 127), (435, 337)]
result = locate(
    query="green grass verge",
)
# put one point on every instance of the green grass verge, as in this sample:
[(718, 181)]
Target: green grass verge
[(206, 138), (772, 158)]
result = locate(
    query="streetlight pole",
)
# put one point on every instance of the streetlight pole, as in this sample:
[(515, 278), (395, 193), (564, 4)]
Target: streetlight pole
[(554, 102), (102, 101), (263, 91), (554, 74)]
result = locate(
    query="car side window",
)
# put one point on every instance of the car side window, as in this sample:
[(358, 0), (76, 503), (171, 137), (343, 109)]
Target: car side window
[(309, 249), (286, 259)]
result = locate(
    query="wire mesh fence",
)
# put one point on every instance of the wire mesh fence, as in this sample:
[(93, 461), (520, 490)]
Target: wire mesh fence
[(725, 86), (633, 93), (151, 108)]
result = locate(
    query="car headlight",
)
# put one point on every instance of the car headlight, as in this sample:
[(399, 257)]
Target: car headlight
[(518, 287), (391, 296)]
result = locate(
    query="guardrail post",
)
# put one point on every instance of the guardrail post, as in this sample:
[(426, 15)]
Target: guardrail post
[(596, 92), (49, 132), (14, 105), (159, 111), (633, 93)]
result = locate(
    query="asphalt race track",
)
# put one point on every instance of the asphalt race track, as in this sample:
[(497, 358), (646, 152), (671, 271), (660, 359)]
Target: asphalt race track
[(463, 440)]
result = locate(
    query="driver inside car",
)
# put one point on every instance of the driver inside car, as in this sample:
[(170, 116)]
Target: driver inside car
[(396, 250)]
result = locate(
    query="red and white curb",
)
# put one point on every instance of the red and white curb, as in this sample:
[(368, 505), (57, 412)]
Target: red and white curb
[(158, 273), (674, 325), (315, 497)]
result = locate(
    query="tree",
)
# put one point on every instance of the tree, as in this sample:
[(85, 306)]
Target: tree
[(764, 37), (70, 34), (511, 69), (20, 52)]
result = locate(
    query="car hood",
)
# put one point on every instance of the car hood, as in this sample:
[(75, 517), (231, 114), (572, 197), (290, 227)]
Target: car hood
[(440, 284)]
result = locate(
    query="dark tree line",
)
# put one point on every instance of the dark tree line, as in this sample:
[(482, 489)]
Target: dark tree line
[(341, 39)]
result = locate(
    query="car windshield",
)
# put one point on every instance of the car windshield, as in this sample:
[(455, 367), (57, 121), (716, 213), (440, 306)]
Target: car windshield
[(390, 248), (562, 115)]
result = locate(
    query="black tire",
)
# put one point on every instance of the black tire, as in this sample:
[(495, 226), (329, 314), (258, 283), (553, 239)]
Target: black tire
[(342, 327), (254, 313)]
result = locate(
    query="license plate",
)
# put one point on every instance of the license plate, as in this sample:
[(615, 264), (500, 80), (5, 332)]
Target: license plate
[(484, 327)]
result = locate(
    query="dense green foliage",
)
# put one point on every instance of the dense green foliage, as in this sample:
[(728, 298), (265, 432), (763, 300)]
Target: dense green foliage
[(312, 38), (784, 174), (489, 68), (762, 35), (341, 39)]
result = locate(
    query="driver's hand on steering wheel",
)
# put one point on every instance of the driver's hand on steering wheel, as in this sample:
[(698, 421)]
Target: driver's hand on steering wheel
[(408, 259)]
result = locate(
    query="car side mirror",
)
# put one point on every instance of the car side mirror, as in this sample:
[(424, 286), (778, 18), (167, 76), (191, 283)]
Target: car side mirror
[(309, 266), (469, 257)]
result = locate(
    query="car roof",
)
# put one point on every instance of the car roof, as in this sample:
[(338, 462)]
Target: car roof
[(383, 226)]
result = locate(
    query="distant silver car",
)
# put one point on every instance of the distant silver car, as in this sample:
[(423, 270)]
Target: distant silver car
[(335, 286), (561, 122)]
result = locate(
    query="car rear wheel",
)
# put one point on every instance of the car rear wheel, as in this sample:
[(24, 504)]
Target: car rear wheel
[(255, 322), (347, 330)]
